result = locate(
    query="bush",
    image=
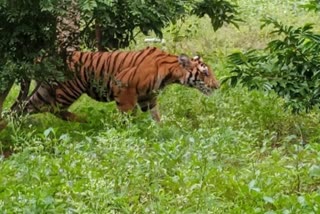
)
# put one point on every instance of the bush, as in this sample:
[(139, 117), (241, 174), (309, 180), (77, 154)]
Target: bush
[(289, 66)]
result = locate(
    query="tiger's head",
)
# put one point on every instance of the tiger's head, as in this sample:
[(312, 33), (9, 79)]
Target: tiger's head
[(198, 74)]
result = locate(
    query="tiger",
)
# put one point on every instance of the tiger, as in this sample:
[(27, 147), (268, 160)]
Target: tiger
[(130, 78)]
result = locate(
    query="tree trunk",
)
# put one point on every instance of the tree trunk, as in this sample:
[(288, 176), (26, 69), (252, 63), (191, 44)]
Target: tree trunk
[(99, 36), (3, 97), (68, 30)]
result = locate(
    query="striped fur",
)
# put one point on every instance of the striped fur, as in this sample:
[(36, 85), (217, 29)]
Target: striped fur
[(129, 78)]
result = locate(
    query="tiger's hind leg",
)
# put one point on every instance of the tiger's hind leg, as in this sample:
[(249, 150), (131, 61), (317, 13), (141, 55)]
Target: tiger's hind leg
[(65, 95)]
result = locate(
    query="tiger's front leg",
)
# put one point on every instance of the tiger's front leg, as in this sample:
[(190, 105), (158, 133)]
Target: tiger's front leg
[(150, 104), (155, 114), (126, 100)]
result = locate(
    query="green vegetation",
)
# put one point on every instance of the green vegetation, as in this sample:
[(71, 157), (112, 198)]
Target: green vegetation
[(120, 21), (288, 66), (236, 151)]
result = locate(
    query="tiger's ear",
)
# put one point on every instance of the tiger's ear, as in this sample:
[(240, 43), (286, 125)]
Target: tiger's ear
[(197, 58), (184, 60)]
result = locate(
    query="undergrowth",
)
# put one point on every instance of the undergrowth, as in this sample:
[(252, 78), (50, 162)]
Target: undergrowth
[(236, 151)]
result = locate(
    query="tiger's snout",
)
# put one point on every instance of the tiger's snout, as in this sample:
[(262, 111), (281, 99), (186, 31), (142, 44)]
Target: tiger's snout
[(213, 84), (216, 85)]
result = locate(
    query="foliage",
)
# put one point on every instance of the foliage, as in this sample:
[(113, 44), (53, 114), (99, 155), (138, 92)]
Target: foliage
[(312, 5), (219, 11), (118, 19), (27, 32), (210, 154), (289, 66), (121, 20)]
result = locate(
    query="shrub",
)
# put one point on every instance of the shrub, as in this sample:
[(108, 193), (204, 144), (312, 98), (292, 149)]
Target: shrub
[(290, 66)]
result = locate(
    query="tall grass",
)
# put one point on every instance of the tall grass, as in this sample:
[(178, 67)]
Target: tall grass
[(233, 152)]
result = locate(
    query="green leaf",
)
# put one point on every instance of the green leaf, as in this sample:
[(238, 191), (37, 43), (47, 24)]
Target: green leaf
[(314, 171), (48, 131), (268, 199)]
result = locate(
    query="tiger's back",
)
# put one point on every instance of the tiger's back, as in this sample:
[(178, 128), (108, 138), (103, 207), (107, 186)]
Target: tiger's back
[(96, 70)]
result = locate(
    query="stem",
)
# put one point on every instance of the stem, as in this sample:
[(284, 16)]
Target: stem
[(302, 144), (203, 178), (23, 94)]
